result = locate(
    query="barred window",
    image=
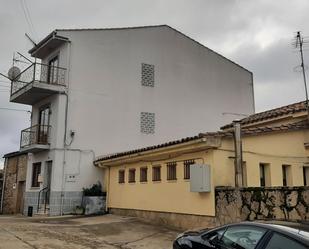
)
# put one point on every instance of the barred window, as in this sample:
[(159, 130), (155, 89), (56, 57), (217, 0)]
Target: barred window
[(131, 175), (171, 171), (186, 165), (147, 75), (121, 176), (143, 174), (156, 173)]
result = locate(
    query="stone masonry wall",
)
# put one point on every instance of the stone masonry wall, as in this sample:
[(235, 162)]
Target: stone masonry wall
[(1, 184), (279, 203), (15, 173)]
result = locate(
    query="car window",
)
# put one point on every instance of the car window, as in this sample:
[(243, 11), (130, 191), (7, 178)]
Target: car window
[(242, 237), (215, 234), (278, 241)]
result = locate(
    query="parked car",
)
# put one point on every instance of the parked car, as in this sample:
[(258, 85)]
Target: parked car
[(245, 235)]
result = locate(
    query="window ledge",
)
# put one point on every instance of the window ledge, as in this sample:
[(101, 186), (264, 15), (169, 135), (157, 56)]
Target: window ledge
[(172, 181), (35, 188)]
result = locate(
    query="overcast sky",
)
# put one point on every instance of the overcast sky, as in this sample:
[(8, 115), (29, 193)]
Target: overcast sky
[(257, 34)]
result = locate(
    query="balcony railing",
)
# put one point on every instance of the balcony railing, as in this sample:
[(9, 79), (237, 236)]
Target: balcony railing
[(38, 72), (35, 135)]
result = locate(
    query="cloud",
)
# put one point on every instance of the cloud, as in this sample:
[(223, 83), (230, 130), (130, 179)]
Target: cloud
[(256, 34)]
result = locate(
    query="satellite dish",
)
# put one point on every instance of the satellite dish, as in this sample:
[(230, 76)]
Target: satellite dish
[(13, 73)]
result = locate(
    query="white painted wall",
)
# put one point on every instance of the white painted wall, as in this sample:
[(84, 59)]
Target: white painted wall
[(193, 87)]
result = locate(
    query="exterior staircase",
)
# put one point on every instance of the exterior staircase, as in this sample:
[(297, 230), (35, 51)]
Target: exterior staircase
[(43, 203)]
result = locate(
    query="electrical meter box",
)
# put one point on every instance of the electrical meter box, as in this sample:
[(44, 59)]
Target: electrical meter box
[(200, 178)]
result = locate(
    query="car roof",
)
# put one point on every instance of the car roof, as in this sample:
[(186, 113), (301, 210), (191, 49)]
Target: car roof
[(284, 228)]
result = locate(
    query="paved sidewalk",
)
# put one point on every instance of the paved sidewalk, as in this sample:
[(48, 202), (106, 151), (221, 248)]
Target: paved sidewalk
[(108, 231)]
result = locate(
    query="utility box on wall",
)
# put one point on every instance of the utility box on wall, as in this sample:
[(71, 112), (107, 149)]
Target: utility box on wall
[(200, 178)]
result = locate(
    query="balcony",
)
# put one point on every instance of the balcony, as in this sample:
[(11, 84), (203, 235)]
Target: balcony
[(37, 82), (35, 138)]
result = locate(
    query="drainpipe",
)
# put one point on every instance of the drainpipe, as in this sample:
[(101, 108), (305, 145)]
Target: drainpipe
[(3, 184), (65, 145), (238, 154)]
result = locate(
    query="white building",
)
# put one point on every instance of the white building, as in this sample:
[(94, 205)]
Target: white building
[(107, 90)]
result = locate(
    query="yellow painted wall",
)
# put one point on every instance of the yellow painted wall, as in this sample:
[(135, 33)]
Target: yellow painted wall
[(274, 149), (167, 196)]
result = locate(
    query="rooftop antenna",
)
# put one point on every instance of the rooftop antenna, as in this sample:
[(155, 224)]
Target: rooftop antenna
[(299, 44), (30, 39), (21, 55), (34, 43)]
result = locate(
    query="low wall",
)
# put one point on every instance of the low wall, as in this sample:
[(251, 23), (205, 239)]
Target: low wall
[(176, 220), (279, 203)]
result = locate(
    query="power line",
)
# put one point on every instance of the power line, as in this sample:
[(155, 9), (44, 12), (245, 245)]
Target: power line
[(27, 16), (12, 109)]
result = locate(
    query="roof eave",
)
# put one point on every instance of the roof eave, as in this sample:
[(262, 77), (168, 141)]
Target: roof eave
[(51, 41), (201, 143)]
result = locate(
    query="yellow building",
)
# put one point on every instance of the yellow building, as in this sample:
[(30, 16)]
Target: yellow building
[(154, 182)]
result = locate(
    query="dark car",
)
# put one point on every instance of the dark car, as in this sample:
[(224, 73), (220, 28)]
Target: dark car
[(245, 235)]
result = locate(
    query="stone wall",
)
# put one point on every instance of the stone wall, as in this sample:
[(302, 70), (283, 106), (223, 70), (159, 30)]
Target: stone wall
[(175, 220), (279, 203), (15, 176), (1, 184)]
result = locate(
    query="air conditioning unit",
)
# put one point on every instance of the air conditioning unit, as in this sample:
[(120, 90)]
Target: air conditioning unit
[(200, 178)]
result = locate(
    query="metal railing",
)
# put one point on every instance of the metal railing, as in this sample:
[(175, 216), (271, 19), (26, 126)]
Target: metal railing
[(38, 72), (45, 192), (37, 134)]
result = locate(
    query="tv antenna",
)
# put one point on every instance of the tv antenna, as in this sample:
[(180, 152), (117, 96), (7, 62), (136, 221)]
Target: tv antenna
[(299, 43), (30, 39)]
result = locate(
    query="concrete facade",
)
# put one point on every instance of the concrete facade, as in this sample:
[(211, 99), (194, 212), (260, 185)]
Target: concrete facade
[(15, 168), (105, 100)]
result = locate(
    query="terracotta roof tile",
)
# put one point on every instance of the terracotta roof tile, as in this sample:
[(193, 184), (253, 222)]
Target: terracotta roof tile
[(270, 114), (245, 132)]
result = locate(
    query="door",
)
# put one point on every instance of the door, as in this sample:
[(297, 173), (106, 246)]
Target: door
[(20, 197), (53, 65)]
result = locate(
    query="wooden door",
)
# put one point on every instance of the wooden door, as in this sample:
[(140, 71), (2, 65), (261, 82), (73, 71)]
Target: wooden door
[(20, 197)]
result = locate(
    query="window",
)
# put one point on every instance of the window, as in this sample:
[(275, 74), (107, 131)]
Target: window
[(147, 122), (131, 175), (121, 175), (264, 174), (282, 242), (147, 75), (36, 171), (306, 176), (156, 173), (171, 171), (286, 175), (186, 165), (244, 174), (53, 65), (242, 237), (143, 174)]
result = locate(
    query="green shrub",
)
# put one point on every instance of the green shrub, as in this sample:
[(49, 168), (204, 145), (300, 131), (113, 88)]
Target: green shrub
[(94, 190)]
